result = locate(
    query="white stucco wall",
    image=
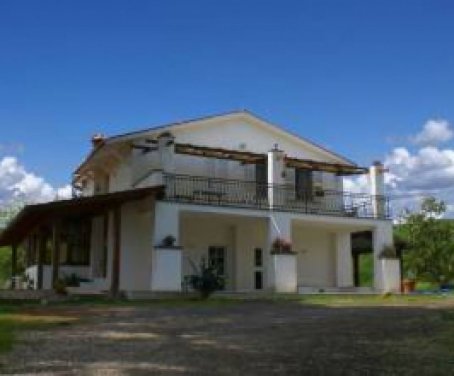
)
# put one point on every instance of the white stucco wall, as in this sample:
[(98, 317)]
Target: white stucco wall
[(316, 256), (238, 236), (167, 269)]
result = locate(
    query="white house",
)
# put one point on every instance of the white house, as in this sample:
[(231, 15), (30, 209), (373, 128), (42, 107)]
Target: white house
[(263, 205)]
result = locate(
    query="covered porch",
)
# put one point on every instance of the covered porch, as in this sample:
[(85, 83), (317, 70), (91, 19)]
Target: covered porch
[(239, 243), (78, 239)]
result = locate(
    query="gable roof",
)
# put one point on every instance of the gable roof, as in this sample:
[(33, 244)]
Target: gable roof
[(232, 114)]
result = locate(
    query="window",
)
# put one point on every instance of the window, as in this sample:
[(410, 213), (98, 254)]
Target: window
[(216, 258), (258, 283), (258, 257), (261, 179), (303, 184)]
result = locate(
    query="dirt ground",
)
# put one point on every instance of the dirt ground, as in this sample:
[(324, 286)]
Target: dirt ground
[(241, 338)]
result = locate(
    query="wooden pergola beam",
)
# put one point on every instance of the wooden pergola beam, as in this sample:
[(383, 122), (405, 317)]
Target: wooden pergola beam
[(220, 153), (335, 168)]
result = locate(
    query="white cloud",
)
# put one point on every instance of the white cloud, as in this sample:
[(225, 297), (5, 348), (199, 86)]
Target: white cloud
[(434, 132), (18, 184), (414, 174)]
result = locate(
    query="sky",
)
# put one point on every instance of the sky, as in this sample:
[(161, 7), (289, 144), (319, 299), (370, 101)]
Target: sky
[(372, 80)]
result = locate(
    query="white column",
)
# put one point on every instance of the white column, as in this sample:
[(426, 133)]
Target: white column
[(166, 264), (281, 269), (166, 150), (377, 189), (276, 168), (382, 235), (344, 260)]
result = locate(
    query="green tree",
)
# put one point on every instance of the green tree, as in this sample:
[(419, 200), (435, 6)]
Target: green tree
[(6, 214), (429, 252)]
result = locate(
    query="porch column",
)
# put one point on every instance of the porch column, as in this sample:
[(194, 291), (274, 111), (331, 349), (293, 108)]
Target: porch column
[(166, 263), (41, 252), (115, 282), (377, 189), (344, 260), (13, 265), (281, 268), (55, 252), (276, 168), (384, 278)]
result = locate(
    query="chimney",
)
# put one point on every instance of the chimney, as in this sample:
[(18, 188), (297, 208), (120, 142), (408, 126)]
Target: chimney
[(97, 140)]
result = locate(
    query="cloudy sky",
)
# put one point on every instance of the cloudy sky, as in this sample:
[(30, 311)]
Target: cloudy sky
[(372, 80), (419, 165)]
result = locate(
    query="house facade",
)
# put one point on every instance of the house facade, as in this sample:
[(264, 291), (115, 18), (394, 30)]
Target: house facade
[(265, 207)]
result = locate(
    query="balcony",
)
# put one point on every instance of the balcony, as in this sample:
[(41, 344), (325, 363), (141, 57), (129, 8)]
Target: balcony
[(250, 194)]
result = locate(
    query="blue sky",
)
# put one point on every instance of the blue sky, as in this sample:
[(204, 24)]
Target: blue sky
[(356, 76)]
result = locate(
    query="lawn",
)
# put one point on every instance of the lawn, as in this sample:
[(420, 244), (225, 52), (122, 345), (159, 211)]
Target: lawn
[(311, 334), (13, 320)]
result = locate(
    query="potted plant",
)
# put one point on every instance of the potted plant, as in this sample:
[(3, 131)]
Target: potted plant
[(207, 280), (281, 246), (388, 252), (409, 283), (169, 241)]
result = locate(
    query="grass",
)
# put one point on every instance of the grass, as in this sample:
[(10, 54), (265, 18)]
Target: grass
[(12, 321), (375, 300)]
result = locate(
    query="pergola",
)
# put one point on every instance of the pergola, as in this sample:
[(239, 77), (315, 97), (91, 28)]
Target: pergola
[(247, 157), (33, 218)]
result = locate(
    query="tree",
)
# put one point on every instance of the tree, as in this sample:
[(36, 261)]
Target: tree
[(429, 253), (6, 214)]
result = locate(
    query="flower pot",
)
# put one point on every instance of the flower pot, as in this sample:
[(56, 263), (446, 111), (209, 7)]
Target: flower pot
[(408, 285)]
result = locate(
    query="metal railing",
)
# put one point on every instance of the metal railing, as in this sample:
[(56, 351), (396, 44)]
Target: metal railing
[(250, 194)]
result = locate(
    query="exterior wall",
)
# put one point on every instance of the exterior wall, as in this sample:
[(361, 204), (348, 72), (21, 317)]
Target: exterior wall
[(240, 237), (121, 177), (238, 134), (316, 258)]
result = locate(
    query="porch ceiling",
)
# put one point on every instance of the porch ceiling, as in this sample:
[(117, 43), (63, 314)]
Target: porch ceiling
[(32, 215)]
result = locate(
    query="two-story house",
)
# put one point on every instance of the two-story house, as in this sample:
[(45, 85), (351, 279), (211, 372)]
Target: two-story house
[(264, 206)]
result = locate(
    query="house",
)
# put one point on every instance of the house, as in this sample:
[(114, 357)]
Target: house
[(264, 206)]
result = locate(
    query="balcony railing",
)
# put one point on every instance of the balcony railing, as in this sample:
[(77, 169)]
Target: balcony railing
[(250, 194)]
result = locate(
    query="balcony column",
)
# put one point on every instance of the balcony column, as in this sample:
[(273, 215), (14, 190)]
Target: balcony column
[(377, 189), (166, 158), (166, 150), (276, 175)]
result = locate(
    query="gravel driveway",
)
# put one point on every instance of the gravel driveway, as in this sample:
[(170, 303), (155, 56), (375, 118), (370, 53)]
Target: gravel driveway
[(241, 338)]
